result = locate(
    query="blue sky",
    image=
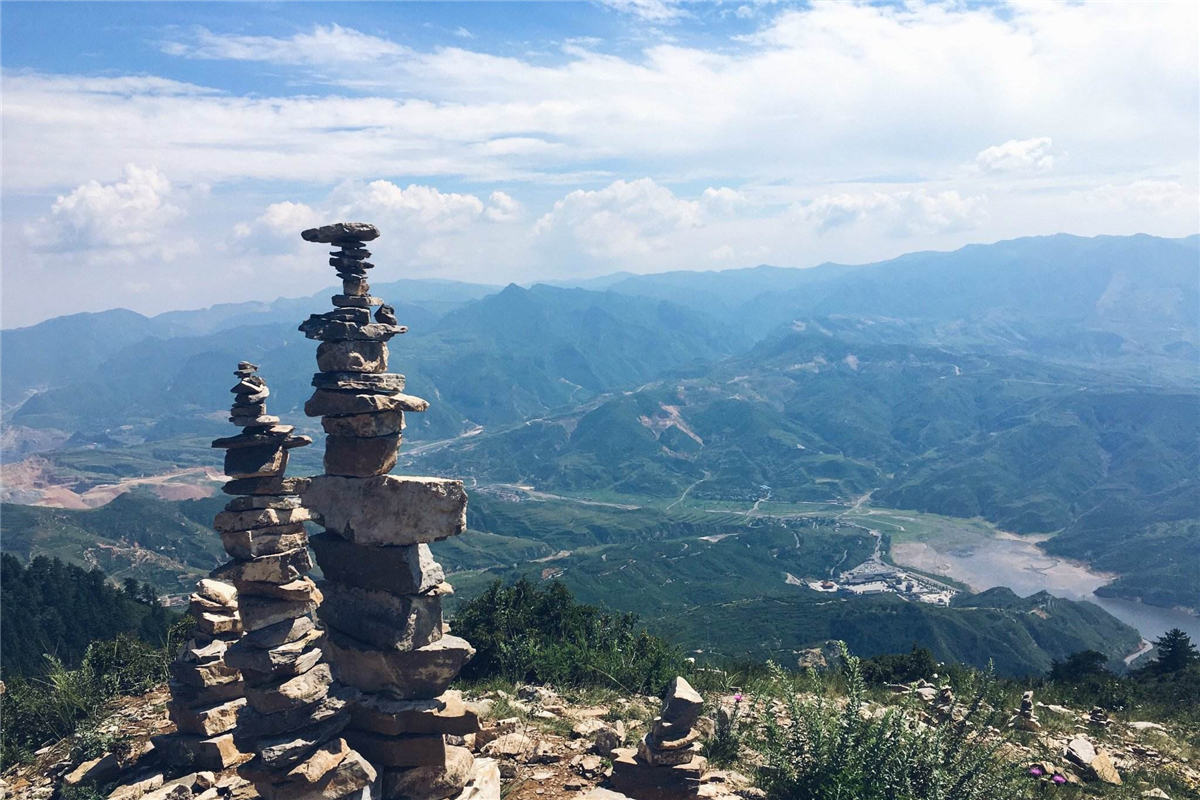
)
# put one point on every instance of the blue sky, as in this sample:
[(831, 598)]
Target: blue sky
[(166, 155)]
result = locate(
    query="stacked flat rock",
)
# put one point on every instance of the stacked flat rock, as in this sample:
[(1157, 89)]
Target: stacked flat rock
[(206, 692), (293, 711), (667, 763), (383, 591), (362, 405)]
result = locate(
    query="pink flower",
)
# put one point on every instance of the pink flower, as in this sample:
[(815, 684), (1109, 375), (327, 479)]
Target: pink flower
[(737, 698), (1035, 771), (1059, 779)]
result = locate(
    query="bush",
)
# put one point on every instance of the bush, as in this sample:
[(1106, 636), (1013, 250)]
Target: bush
[(828, 752), (38, 711), (539, 634)]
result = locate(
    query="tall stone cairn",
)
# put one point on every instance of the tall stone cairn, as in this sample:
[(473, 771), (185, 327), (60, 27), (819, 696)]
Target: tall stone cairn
[(667, 763), (293, 711), (207, 693), (383, 590)]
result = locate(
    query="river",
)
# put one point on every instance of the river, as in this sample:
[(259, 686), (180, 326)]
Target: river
[(1018, 563)]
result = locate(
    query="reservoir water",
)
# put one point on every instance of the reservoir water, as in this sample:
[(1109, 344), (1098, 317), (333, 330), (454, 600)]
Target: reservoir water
[(1018, 563)]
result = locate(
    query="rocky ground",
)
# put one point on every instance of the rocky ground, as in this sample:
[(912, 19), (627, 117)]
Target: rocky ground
[(550, 746)]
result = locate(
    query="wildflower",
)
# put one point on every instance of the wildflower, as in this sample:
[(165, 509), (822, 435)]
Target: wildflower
[(1035, 772), (1059, 779), (737, 698)]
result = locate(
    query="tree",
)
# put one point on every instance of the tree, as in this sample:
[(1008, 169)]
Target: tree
[(1082, 664), (1175, 652)]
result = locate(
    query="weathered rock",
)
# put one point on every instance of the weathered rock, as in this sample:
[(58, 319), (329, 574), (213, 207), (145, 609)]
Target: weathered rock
[(682, 705), (279, 568), (97, 770), (634, 777), (292, 658), (272, 486), (358, 356), (289, 748), (667, 758), (447, 714), (203, 675), (187, 695), (253, 725), (410, 750), (484, 783), (320, 761), (171, 791), (252, 502), (201, 652), (136, 789), (293, 691), (288, 630), (356, 287), (356, 315), (341, 232), (215, 753), (352, 775), (325, 402), (510, 746), (431, 782), (216, 623), (334, 330), (383, 423), (1080, 751), (274, 436), (408, 569), (389, 509), (248, 421), (207, 721), (1102, 769), (300, 590), (262, 612), (386, 620), (255, 462), (250, 544), (424, 672), (361, 458), (231, 521), (380, 382), (221, 593)]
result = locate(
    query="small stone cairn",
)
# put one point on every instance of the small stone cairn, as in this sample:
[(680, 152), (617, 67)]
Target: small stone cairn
[(293, 709), (382, 590), (206, 693), (1098, 718), (1025, 718), (667, 763)]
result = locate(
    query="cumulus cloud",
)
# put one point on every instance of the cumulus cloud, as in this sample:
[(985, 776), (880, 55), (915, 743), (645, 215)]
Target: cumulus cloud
[(131, 211), (1152, 195), (1013, 156), (896, 213), (502, 208)]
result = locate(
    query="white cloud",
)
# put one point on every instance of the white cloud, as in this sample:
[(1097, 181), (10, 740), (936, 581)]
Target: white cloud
[(463, 33), (744, 12), (1013, 155), (650, 10), (624, 219), (323, 45), (721, 253), (723, 200), (502, 208), (133, 211), (897, 213), (1153, 195)]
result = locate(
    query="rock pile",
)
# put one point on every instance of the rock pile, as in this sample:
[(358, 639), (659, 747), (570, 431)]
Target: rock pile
[(1025, 718), (293, 710), (667, 763), (383, 590), (206, 692), (1098, 718)]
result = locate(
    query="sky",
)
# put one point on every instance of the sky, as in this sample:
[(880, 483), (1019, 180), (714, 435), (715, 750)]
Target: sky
[(161, 156)]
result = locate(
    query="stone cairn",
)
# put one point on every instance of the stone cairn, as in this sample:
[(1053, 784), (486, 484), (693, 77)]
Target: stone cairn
[(382, 590), (206, 693), (293, 710), (667, 763), (1098, 717), (1026, 718)]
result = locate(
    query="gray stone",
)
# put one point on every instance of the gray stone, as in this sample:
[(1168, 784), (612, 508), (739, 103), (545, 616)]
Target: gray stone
[(291, 692), (264, 541), (341, 232), (320, 761), (292, 658), (415, 750), (253, 725), (425, 672), (263, 612), (261, 421), (299, 591), (447, 714), (356, 287), (192, 696), (252, 503), (635, 777), (368, 357), (361, 458), (218, 623), (351, 314), (385, 620), (280, 568), (484, 783), (256, 462), (272, 486), (205, 720), (289, 630), (289, 748), (228, 521), (682, 705), (355, 301), (389, 509), (335, 330), (379, 382), (222, 593), (436, 782), (408, 569), (349, 780), (325, 402), (196, 751), (365, 425), (203, 675)]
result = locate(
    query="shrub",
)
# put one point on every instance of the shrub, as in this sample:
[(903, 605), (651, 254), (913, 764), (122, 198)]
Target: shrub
[(827, 752), (539, 634)]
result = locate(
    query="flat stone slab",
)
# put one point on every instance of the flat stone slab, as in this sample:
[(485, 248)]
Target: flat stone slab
[(341, 232), (410, 569), (264, 612), (329, 402), (206, 720), (261, 461), (405, 675), (415, 750), (377, 382), (436, 782), (292, 692), (385, 620), (334, 330), (370, 357), (273, 486), (389, 509), (356, 300), (364, 426), (229, 521), (279, 568), (253, 725), (357, 457), (447, 714)]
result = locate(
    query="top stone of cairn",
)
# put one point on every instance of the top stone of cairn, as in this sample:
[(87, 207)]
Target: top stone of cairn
[(341, 232)]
